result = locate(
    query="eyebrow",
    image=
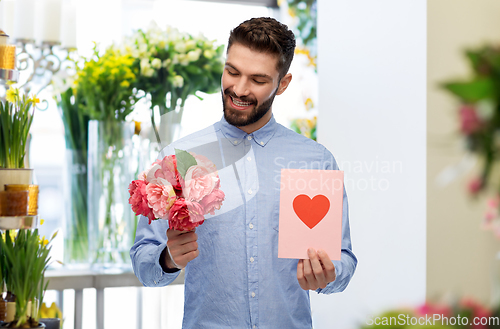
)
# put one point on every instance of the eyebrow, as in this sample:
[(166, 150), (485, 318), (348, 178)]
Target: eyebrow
[(257, 75)]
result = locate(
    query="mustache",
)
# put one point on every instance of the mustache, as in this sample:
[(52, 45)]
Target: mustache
[(229, 92)]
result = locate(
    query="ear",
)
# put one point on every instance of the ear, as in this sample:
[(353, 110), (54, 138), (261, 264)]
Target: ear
[(285, 81)]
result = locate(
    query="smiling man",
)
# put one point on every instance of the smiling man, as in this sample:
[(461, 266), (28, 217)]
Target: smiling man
[(234, 278)]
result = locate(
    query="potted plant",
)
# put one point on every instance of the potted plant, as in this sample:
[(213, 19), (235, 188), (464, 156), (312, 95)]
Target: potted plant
[(24, 258), (16, 116)]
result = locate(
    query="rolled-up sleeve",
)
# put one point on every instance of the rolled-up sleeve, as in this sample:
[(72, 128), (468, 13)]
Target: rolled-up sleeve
[(344, 269)]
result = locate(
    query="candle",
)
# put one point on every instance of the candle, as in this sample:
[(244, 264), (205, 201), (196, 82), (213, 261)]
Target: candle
[(68, 24), (48, 20), (7, 17), (24, 19)]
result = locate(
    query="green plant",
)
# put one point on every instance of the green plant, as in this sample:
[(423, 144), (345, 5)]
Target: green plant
[(16, 116), (24, 259)]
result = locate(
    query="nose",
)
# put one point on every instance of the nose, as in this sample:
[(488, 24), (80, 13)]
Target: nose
[(240, 88)]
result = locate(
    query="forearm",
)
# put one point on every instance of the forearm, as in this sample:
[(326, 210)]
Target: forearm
[(147, 251)]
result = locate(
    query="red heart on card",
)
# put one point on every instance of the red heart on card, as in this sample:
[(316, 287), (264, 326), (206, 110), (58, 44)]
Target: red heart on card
[(311, 211)]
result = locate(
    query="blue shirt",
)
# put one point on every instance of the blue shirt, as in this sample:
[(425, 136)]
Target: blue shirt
[(238, 281)]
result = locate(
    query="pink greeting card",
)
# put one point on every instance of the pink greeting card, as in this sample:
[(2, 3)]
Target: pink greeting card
[(310, 212)]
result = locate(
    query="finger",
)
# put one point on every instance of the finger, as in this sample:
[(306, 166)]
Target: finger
[(328, 266), (309, 275), (179, 250), (174, 233), (186, 258), (317, 268), (300, 275), (182, 239)]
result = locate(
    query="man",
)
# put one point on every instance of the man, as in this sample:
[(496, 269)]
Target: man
[(234, 278)]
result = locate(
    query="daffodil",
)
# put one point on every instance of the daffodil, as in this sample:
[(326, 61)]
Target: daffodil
[(12, 95)]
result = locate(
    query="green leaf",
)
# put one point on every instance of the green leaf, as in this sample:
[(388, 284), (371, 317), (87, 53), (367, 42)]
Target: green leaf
[(184, 161), (472, 91), (194, 69)]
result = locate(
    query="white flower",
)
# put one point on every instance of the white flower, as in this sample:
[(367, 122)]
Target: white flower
[(209, 54), (183, 59), (194, 55), (190, 44), (143, 48), (178, 81), (176, 59), (148, 72), (156, 63), (180, 47), (144, 63), (485, 110)]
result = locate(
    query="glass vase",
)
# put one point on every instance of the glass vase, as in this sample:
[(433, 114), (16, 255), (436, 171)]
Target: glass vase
[(111, 168), (76, 240)]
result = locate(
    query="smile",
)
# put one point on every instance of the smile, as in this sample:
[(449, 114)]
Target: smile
[(239, 104)]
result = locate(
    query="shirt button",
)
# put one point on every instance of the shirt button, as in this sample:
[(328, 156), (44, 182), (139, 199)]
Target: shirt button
[(253, 294), (261, 143), (251, 259), (250, 191), (250, 225), (235, 142), (249, 137), (254, 326), (249, 159)]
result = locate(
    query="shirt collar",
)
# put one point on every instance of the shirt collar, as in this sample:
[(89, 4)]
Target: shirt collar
[(261, 136)]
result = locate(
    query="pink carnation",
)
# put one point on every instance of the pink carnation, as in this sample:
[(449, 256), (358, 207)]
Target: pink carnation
[(169, 171), (185, 215), (213, 201), (469, 120), (199, 182), (138, 199), (160, 198), (205, 162), (144, 175)]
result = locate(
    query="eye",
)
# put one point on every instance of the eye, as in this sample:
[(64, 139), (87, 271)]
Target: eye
[(259, 82), (232, 73)]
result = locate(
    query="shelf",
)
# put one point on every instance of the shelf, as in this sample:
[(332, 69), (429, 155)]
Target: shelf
[(18, 222), (9, 75)]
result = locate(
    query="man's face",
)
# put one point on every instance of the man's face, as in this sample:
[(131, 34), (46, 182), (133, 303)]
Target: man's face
[(249, 83)]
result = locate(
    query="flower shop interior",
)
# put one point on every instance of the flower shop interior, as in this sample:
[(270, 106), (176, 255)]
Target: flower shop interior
[(403, 93)]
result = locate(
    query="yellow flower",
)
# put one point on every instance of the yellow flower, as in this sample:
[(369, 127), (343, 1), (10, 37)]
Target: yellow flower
[(137, 129), (125, 84), (43, 241), (309, 104), (42, 221), (12, 95), (50, 312)]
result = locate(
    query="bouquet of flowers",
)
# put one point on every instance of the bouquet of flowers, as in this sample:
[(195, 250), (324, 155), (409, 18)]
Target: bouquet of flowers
[(171, 65), (180, 188)]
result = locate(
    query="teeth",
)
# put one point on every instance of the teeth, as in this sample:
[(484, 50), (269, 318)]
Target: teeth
[(243, 104)]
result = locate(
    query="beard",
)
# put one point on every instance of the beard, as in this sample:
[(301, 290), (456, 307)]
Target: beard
[(239, 119)]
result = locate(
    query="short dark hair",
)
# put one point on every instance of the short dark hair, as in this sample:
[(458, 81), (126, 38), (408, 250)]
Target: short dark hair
[(265, 34)]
